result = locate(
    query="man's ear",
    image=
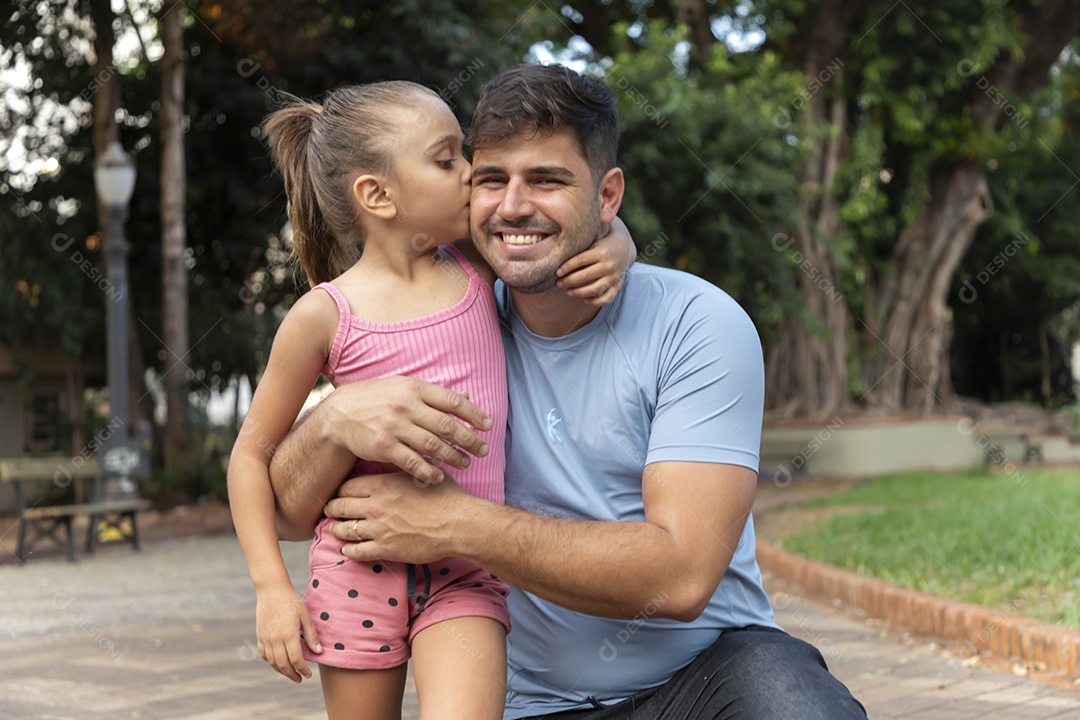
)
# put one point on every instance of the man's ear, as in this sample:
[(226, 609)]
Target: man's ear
[(373, 197), (612, 187)]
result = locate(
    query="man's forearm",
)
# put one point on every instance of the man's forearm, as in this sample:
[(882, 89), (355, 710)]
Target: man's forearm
[(306, 470), (669, 564), (604, 568)]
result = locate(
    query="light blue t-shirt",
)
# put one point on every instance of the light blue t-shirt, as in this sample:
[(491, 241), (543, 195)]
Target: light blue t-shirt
[(670, 371)]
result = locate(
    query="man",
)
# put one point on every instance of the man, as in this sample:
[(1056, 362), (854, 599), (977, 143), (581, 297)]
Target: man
[(633, 446)]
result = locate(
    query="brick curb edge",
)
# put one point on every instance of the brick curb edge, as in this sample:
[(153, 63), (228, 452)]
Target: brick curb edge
[(997, 631)]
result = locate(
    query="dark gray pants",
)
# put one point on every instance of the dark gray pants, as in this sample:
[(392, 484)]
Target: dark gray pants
[(753, 673)]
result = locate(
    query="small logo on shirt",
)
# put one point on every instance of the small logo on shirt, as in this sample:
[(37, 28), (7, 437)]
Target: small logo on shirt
[(553, 419)]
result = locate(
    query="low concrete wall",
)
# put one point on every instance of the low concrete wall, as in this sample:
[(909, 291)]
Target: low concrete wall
[(1056, 449), (869, 448)]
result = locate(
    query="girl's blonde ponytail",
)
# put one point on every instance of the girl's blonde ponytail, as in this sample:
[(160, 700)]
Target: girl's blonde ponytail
[(289, 132), (320, 150)]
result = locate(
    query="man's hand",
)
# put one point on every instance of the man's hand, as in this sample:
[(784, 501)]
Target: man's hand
[(395, 517), (397, 421), (394, 420)]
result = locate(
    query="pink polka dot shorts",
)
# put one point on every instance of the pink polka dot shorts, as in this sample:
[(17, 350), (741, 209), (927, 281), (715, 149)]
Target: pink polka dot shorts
[(367, 613)]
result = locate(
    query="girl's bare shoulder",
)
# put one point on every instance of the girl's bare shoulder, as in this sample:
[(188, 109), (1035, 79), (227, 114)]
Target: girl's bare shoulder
[(314, 316)]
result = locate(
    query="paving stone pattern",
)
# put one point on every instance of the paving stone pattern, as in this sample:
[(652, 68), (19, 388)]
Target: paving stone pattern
[(168, 633)]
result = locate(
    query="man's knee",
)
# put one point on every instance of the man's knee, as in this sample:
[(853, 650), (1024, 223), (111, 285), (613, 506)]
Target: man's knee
[(773, 675), (763, 652)]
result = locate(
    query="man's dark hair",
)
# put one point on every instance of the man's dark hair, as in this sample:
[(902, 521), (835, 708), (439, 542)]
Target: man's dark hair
[(542, 99)]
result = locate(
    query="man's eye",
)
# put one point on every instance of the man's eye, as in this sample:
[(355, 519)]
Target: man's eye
[(489, 180)]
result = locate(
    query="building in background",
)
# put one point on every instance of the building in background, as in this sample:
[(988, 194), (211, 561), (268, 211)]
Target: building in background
[(47, 419)]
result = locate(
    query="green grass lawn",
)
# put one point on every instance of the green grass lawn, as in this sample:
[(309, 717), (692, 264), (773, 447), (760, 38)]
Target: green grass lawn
[(1008, 541)]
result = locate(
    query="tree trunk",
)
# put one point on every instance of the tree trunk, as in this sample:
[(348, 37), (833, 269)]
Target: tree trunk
[(911, 372), (75, 384), (806, 369), (1044, 360), (141, 407), (105, 100), (1006, 371), (174, 239), (695, 15)]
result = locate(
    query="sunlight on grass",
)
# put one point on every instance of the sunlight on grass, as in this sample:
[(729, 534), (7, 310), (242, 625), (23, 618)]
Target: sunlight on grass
[(1007, 541)]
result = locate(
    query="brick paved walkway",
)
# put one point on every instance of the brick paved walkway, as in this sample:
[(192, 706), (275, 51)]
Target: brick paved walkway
[(168, 633)]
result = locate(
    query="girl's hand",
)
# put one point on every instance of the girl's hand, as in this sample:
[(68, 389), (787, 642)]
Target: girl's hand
[(280, 617), (597, 274)]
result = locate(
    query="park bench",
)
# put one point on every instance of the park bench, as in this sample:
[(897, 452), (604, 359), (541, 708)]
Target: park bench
[(40, 521)]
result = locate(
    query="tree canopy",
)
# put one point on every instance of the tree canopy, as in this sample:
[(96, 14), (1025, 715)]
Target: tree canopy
[(887, 188)]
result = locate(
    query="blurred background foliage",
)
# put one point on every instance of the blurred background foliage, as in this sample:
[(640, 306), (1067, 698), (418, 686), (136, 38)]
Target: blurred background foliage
[(785, 150)]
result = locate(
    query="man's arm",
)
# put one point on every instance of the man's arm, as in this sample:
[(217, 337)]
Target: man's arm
[(305, 472), (397, 421), (673, 561), (697, 490)]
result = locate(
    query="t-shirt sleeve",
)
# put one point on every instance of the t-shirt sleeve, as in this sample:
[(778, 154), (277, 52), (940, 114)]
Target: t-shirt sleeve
[(710, 386)]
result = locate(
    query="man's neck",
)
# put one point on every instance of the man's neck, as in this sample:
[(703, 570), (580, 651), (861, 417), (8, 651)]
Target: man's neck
[(553, 313)]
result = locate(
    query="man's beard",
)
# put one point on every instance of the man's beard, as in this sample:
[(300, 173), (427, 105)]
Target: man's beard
[(532, 277)]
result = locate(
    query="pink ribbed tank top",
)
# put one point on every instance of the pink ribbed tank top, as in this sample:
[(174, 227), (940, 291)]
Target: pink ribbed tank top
[(459, 348)]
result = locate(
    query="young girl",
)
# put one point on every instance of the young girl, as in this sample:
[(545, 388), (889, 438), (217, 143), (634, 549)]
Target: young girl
[(377, 192)]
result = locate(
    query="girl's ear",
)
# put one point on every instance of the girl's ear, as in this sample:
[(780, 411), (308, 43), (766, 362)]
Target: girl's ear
[(372, 197)]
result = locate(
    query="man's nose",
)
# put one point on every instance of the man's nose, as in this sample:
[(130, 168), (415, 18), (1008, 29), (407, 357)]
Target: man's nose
[(516, 202)]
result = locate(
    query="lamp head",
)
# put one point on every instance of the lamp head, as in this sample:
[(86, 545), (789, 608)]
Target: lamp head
[(114, 176)]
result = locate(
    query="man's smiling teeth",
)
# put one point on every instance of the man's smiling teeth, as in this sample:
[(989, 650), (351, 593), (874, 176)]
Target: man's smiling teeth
[(521, 239)]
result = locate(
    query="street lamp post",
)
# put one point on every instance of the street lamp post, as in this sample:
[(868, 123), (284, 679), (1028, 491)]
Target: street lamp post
[(121, 457), (114, 177)]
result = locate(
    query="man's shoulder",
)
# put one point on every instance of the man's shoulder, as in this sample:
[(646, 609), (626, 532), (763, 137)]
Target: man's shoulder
[(666, 291), (653, 278)]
